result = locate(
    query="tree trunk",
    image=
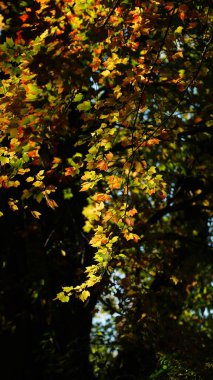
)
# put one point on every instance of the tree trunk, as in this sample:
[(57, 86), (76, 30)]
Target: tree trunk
[(41, 338)]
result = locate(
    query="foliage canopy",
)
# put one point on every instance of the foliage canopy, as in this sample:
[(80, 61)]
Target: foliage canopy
[(105, 157)]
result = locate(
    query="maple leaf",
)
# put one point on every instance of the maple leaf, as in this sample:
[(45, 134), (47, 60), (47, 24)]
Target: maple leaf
[(69, 171), (102, 165), (101, 197), (132, 212), (114, 182), (98, 240)]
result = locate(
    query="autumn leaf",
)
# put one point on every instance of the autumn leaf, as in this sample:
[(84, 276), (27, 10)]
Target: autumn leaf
[(101, 197), (84, 295), (114, 182), (109, 156), (98, 240), (51, 203), (37, 183), (102, 165), (69, 171), (24, 17), (63, 297), (36, 214), (132, 212), (29, 179), (152, 170), (86, 186)]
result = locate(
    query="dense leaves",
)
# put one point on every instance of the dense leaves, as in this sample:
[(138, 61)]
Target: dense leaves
[(105, 161)]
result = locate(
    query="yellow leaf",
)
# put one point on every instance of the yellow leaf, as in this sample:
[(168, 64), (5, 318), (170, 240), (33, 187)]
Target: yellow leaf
[(105, 73), (114, 239), (86, 186), (36, 214), (98, 240), (12, 204), (44, 34), (4, 160), (179, 29), (40, 176), (84, 295), (67, 289), (23, 171), (30, 179), (152, 170), (174, 279), (88, 175), (38, 183), (93, 280), (109, 65), (63, 297), (117, 92)]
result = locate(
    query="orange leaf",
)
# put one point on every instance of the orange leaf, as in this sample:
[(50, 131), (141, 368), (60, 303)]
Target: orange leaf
[(109, 156), (51, 203), (132, 212), (151, 142), (98, 240), (114, 182), (86, 186), (108, 216), (69, 171), (95, 64), (33, 153), (129, 222), (24, 17), (102, 165), (101, 197), (151, 191)]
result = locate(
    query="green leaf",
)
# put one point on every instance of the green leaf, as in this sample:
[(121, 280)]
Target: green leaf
[(85, 106), (78, 97), (10, 42)]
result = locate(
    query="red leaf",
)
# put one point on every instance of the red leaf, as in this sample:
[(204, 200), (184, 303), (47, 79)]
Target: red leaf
[(24, 17)]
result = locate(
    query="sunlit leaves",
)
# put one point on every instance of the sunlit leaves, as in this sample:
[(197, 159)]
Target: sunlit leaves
[(63, 297), (84, 295), (85, 106), (90, 100)]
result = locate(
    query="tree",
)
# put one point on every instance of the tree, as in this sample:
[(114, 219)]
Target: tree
[(106, 188)]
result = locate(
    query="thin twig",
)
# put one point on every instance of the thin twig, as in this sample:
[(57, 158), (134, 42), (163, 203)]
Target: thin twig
[(110, 13)]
